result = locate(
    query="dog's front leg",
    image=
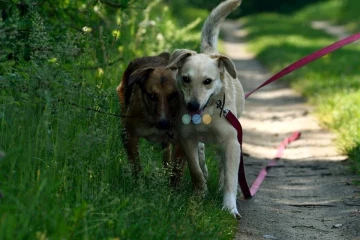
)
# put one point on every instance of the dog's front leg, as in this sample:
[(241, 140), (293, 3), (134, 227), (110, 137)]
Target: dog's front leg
[(178, 164), (131, 144), (192, 155), (231, 168), (221, 170), (202, 160), (166, 149)]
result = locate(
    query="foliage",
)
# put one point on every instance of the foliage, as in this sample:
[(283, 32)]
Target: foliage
[(330, 83), (349, 11), (344, 12), (63, 172), (249, 7)]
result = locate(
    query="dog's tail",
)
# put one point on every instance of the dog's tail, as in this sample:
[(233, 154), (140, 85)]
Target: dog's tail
[(211, 28)]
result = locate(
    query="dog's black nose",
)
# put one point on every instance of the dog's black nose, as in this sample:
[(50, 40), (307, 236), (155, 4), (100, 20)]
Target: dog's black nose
[(193, 105), (163, 123)]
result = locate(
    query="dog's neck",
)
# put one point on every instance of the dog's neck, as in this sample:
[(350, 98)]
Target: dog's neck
[(217, 99)]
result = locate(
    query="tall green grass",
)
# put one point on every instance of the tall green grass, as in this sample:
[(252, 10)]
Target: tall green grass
[(65, 174), (331, 83), (344, 12)]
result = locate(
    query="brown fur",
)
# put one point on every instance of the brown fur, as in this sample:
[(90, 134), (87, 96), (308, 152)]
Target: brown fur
[(149, 98)]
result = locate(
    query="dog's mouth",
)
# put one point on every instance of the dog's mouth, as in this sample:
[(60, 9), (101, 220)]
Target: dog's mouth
[(201, 110)]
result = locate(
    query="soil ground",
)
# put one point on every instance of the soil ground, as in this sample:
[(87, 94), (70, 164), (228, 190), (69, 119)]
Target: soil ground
[(310, 194)]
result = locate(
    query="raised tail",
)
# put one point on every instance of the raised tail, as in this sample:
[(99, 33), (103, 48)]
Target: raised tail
[(211, 28)]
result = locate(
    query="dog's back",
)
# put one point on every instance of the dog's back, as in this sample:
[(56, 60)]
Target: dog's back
[(124, 90)]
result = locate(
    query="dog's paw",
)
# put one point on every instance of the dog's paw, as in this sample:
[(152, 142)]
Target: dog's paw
[(236, 215), (233, 212), (200, 191)]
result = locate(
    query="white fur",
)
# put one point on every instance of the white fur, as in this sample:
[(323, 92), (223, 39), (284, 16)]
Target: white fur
[(199, 67), (222, 72)]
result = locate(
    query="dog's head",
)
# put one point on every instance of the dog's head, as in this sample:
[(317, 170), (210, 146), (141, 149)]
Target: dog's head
[(159, 94), (200, 76)]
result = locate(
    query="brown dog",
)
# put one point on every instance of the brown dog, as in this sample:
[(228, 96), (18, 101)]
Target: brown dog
[(149, 100)]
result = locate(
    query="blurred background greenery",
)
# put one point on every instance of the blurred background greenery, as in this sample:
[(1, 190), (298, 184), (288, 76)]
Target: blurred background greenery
[(248, 7)]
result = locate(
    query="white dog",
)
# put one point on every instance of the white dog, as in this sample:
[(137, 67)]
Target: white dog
[(204, 79)]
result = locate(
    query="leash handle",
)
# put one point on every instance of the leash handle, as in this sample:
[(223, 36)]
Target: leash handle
[(307, 59)]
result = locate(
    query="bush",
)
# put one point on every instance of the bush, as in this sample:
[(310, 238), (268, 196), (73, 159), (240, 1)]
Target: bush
[(54, 49)]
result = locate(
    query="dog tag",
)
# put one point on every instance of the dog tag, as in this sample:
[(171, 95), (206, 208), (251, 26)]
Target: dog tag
[(186, 119), (206, 119), (196, 119)]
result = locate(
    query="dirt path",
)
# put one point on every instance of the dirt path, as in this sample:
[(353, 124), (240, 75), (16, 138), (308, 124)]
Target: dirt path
[(309, 194)]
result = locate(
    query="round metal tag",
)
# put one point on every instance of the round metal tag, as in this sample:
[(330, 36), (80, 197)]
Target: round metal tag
[(196, 119), (186, 119), (206, 119)]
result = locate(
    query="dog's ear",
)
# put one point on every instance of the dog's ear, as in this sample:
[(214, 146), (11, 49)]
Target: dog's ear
[(164, 55), (178, 58), (225, 63), (140, 76)]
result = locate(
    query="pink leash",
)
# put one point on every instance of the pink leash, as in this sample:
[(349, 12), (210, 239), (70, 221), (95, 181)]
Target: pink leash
[(263, 172), (308, 59), (248, 193)]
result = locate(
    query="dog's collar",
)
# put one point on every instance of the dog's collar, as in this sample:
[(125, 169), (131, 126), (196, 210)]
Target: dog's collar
[(207, 102), (220, 104)]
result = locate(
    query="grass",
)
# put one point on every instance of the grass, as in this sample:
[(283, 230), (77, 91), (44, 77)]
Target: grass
[(330, 83), (65, 174), (344, 12)]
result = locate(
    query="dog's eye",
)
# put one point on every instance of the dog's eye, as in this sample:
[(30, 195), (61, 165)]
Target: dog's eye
[(186, 79), (152, 97), (207, 81)]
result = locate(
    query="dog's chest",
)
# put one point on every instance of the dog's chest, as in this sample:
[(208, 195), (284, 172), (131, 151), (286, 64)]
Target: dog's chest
[(153, 134), (206, 133)]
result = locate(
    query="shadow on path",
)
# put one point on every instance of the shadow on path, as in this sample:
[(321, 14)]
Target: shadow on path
[(310, 194)]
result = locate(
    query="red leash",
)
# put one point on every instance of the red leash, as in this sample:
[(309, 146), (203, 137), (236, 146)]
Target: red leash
[(248, 193), (308, 59), (241, 174)]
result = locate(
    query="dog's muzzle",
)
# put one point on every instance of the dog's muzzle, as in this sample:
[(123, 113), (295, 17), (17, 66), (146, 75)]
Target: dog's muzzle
[(193, 105), (163, 124)]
